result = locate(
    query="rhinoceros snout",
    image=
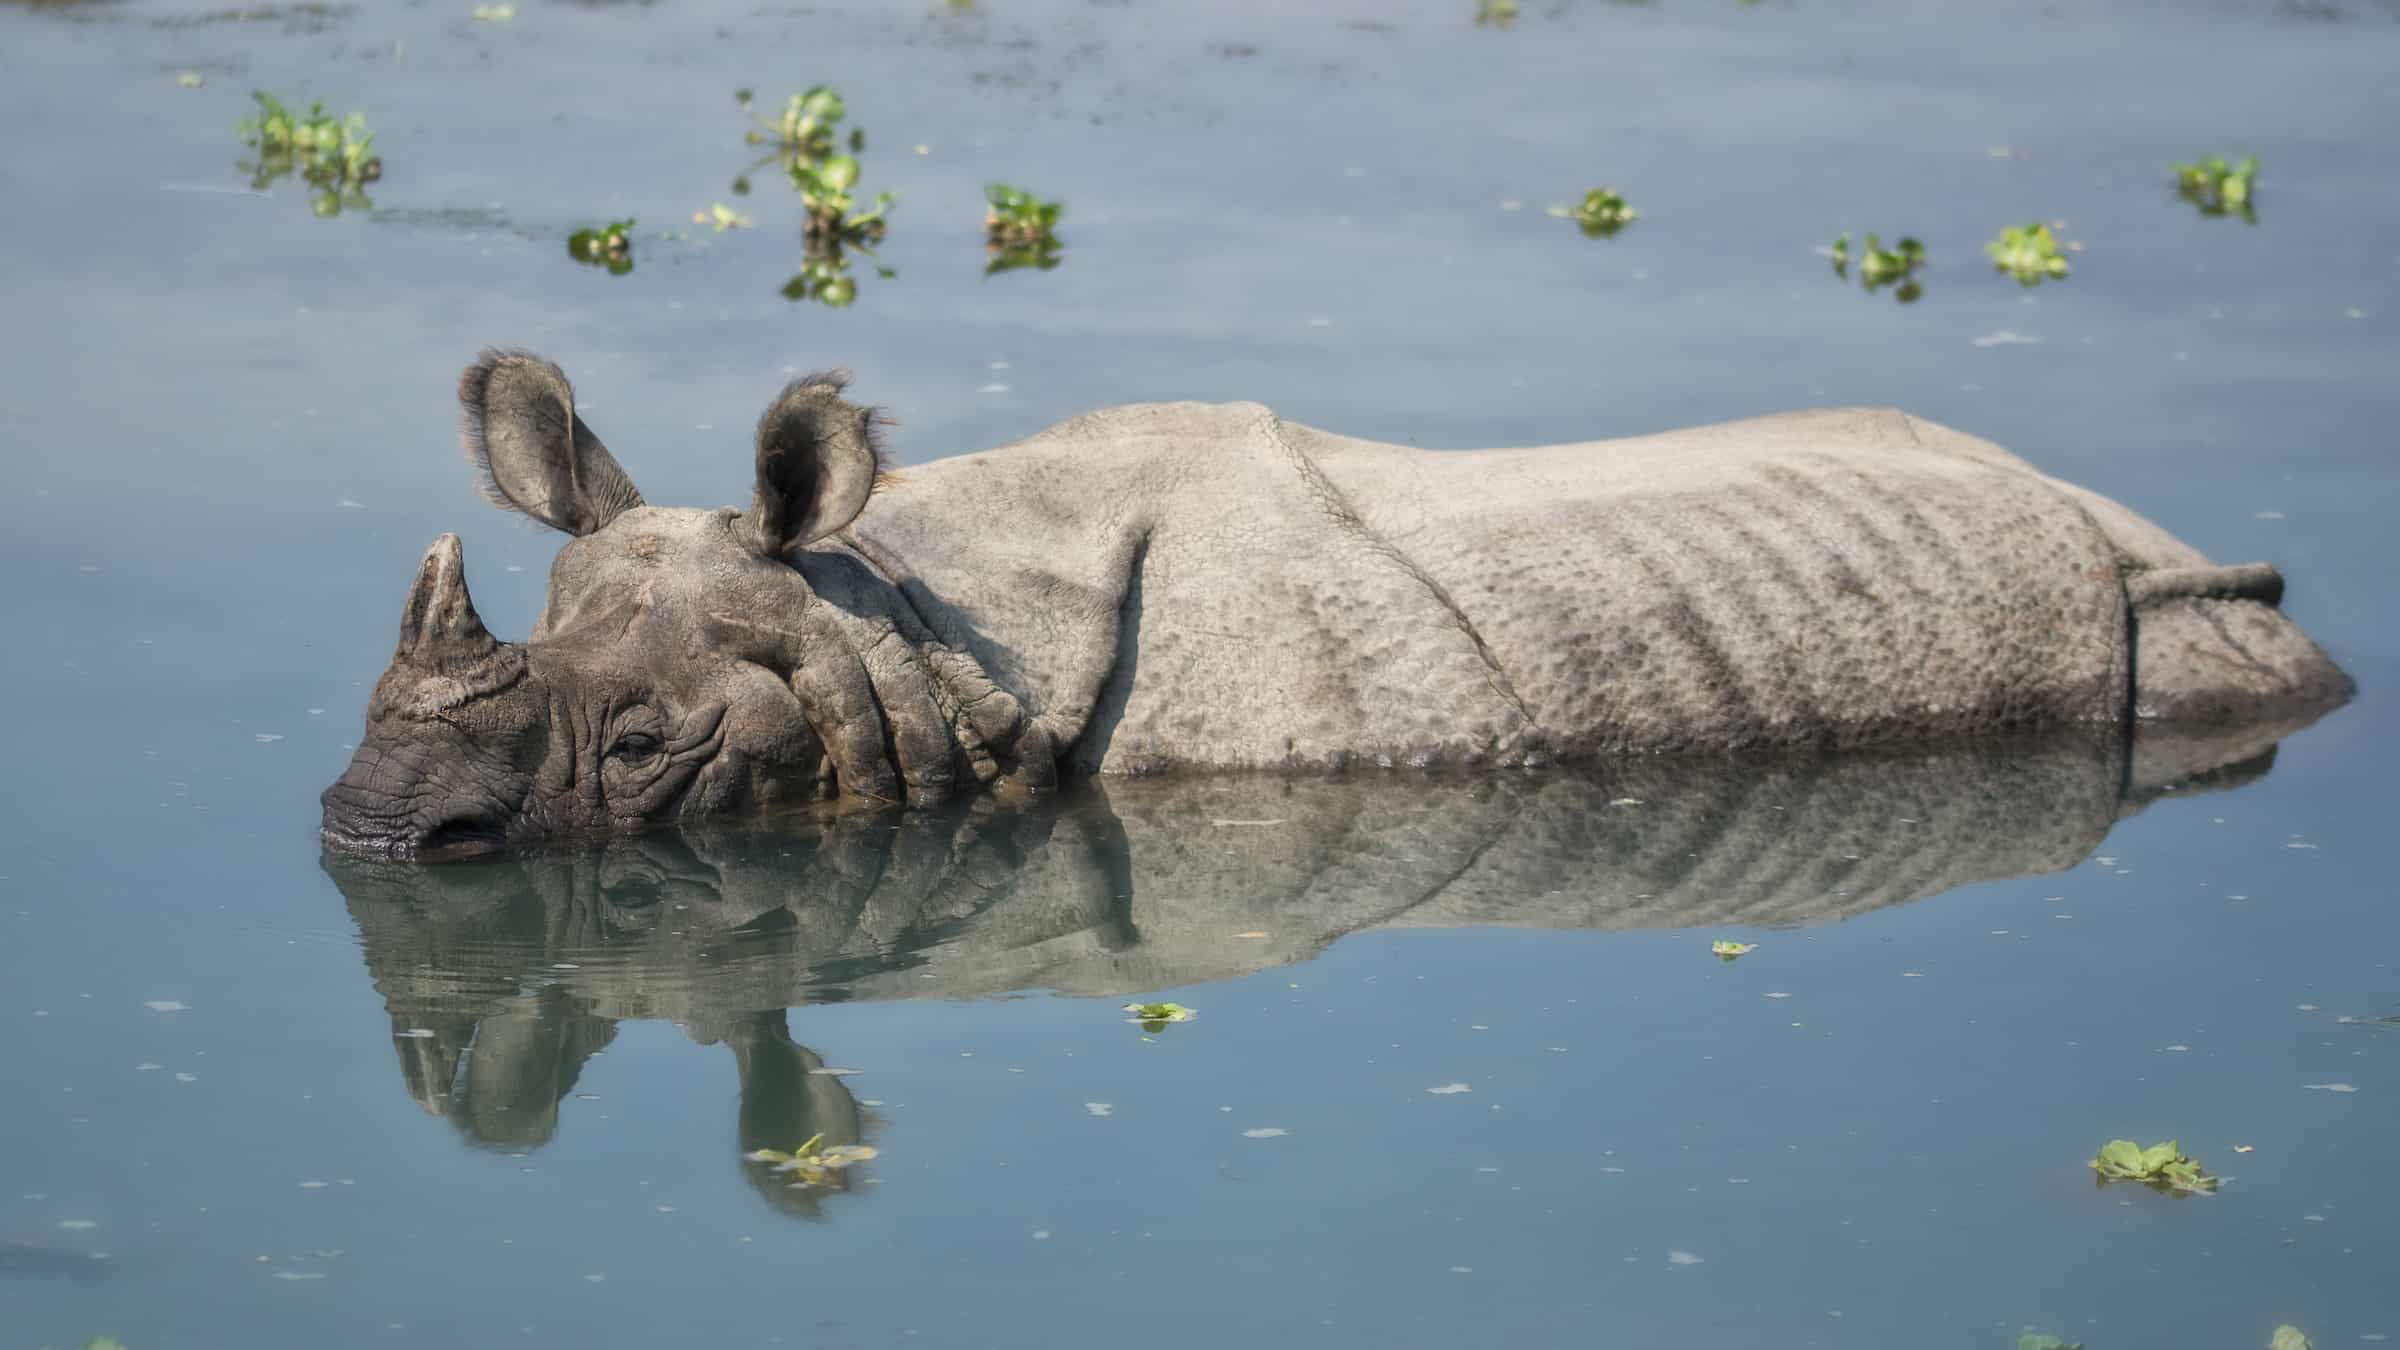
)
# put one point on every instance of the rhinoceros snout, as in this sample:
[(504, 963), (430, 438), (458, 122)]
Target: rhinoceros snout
[(386, 805)]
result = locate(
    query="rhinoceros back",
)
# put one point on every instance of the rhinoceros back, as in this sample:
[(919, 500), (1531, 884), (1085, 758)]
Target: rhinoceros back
[(1817, 579)]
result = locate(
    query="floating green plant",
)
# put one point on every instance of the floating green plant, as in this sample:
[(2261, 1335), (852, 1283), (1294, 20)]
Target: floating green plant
[(2029, 253), (1732, 951), (833, 215), (721, 217), (335, 156), (1154, 1017), (808, 125), (1495, 13), (609, 246), (1600, 214), (2288, 1337), (1019, 229), (1879, 266), (2043, 1340), (815, 1163), (2160, 1166), (2219, 188)]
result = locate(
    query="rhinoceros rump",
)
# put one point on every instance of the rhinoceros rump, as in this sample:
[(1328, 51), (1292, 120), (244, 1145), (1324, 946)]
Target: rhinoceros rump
[(1190, 587)]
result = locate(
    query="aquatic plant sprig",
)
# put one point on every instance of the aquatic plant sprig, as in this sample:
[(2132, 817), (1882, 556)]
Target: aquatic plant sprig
[(1879, 266), (1155, 1017), (815, 1163), (1019, 229), (1495, 13), (2160, 1166), (335, 156), (2030, 253), (609, 246), (2220, 188), (833, 215), (824, 275), (807, 126), (1601, 213)]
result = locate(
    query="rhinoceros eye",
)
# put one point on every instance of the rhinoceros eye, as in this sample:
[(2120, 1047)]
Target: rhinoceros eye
[(635, 745)]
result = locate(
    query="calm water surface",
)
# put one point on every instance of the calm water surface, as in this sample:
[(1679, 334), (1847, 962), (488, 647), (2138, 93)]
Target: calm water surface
[(1464, 1071)]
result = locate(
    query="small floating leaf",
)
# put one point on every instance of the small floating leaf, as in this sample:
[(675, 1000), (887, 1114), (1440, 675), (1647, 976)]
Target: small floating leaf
[(1732, 950), (2288, 1337), (814, 1163), (2043, 1340), (2162, 1166), (1154, 1017), (1601, 213), (2217, 187), (2027, 252)]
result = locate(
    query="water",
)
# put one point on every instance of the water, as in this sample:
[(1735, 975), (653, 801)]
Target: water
[(230, 436)]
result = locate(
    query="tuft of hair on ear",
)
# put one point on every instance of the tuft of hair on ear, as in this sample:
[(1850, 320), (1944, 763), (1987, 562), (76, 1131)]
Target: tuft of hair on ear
[(474, 389), (807, 418)]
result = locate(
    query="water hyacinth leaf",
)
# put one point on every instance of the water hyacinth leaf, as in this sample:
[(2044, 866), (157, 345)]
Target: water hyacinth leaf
[(2288, 1337), (2218, 187), (1155, 1017), (1731, 951), (2161, 1166), (1600, 214), (2042, 1340), (2030, 253)]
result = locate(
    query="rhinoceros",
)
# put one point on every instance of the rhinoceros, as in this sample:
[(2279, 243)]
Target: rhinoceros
[(1189, 587)]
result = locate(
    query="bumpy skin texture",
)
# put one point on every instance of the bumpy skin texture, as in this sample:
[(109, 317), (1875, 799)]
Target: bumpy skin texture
[(1207, 587)]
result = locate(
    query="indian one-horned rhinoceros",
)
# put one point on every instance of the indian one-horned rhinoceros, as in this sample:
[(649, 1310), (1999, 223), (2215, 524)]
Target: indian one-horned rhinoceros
[(1207, 587)]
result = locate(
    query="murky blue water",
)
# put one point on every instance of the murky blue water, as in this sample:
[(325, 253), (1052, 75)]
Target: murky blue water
[(1520, 1103)]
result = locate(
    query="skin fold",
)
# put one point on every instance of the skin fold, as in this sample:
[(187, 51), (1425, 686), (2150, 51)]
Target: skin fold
[(1188, 588)]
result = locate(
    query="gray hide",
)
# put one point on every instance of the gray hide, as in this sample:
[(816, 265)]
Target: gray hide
[(1199, 587), (500, 974)]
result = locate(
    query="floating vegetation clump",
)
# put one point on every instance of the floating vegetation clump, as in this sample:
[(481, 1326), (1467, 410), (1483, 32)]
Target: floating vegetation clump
[(2030, 253), (824, 277), (2160, 1166), (1155, 1017), (1732, 951), (2219, 188), (1495, 13), (2043, 1340), (609, 246), (721, 217), (1879, 266), (807, 127), (1019, 229), (833, 215), (1600, 214), (815, 1163), (334, 156), (2288, 1337)]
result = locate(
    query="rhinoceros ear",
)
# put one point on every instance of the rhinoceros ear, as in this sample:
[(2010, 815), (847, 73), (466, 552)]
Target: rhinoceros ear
[(537, 456), (818, 459)]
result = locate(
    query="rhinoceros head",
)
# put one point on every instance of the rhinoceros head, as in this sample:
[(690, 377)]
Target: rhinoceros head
[(671, 670)]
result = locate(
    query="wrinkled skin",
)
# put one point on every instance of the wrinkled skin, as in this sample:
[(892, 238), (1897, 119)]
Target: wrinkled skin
[(1198, 588)]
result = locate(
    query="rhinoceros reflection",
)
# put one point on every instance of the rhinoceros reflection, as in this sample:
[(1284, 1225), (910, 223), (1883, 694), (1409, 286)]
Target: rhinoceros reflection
[(503, 976)]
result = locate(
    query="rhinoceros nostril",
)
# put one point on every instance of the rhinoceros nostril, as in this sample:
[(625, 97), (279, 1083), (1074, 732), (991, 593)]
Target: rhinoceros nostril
[(459, 837)]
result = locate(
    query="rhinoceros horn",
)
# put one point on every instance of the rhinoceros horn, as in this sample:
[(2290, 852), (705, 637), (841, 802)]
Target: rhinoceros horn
[(444, 647)]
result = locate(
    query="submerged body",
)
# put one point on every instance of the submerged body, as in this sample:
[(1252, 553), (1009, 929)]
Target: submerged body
[(1187, 587)]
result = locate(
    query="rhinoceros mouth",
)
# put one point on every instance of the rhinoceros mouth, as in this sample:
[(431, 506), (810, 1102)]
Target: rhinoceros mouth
[(454, 837)]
